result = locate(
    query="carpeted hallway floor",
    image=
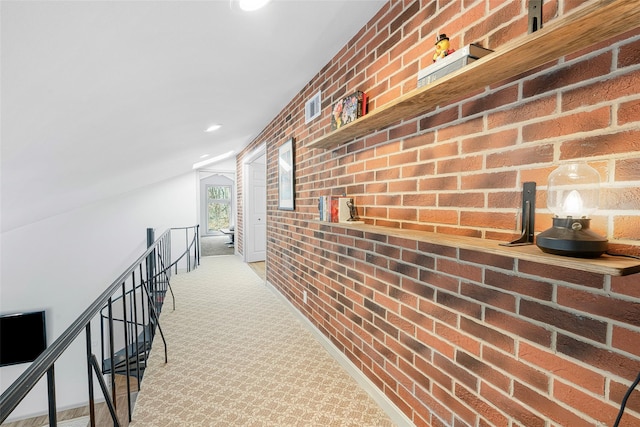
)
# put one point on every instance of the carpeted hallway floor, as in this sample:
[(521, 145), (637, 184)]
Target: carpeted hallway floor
[(215, 245), (239, 357)]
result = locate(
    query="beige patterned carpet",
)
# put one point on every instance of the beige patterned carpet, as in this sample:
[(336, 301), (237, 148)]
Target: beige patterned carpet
[(239, 357)]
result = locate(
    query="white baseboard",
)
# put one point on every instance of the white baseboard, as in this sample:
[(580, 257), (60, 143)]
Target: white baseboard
[(397, 416)]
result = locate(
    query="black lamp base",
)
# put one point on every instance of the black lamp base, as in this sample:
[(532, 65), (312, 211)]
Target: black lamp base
[(571, 237)]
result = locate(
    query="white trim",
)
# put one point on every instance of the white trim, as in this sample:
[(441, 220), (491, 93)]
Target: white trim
[(397, 416), (257, 152), (246, 161)]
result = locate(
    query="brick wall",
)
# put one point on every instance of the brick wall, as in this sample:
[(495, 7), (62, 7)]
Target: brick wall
[(453, 336)]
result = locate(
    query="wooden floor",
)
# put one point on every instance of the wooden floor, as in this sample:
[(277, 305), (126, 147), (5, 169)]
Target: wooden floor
[(260, 269)]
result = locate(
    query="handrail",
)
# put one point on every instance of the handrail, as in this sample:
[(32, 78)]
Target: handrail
[(195, 243), (44, 364)]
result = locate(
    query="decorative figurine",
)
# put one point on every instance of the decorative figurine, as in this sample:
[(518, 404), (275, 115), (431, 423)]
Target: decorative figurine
[(443, 47), (353, 212)]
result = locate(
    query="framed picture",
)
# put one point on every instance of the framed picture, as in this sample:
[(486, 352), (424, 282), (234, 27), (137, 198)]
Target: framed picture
[(286, 176)]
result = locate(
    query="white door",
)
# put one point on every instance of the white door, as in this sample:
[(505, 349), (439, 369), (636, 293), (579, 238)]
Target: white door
[(256, 204)]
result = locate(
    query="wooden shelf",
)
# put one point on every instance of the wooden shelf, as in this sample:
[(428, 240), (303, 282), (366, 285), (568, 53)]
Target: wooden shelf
[(611, 265), (599, 20)]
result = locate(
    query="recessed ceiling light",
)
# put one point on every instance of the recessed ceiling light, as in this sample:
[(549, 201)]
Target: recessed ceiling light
[(251, 5), (213, 128), (204, 156)]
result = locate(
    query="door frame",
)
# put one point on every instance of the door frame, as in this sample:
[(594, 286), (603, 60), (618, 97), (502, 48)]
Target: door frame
[(246, 166)]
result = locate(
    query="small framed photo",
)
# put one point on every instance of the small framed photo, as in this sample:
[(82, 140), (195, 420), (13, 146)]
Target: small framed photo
[(286, 176)]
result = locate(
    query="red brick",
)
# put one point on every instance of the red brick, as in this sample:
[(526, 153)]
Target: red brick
[(420, 140), (419, 170), (629, 112), (512, 407), (522, 112), (470, 200), (602, 91), (489, 180), (576, 323), (420, 199), (461, 411), (563, 368), (438, 216), (435, 152), (590, 68), (455, 371), (482, 408), (457, 339), (626, 285), (387, 174), (540, 153), (567, 125), (548, 407), (600, 305), (522, 328), (408, 185), (403, 158), (491, 101), (438, 183), (460, 129), (489, 335), (487, 141), (628, 169), (629, 54), (504, 199), (626, 339), (465, 164), (621, 199), (598, 357), (505, 221), (616, 394), (583, 278), (439, 118)]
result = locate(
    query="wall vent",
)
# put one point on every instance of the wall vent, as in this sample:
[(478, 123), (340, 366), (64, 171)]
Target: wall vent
[(312, 108)]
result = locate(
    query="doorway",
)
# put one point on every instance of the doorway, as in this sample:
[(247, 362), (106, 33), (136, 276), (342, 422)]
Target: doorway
[(255, 206)]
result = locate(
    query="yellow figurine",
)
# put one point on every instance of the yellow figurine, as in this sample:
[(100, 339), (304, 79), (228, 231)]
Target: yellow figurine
[(443, 48)]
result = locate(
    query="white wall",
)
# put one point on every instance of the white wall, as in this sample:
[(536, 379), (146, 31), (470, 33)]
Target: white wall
[(63, 263)]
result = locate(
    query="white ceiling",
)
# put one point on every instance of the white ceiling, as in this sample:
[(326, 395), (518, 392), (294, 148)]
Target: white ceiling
[(99, 98)]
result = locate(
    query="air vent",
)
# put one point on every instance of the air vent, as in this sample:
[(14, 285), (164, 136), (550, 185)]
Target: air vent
[(312, 108)]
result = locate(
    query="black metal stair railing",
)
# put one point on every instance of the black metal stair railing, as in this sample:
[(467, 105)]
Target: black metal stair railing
[(128, 313)]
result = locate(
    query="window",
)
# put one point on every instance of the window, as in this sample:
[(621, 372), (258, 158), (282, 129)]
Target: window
[(218, 207)]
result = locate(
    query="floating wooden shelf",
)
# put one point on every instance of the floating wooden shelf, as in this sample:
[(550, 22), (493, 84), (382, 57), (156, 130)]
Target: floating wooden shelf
[(597, 21), (611, 265)]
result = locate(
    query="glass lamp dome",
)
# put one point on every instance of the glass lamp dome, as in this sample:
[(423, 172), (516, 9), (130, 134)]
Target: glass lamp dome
[(573, 193), (573, 190)]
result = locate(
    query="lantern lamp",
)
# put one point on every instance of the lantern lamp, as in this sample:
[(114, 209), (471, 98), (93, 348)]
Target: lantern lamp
[(573, 193)]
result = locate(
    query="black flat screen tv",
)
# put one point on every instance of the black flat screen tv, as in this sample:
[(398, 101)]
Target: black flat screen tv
[(23, 337)]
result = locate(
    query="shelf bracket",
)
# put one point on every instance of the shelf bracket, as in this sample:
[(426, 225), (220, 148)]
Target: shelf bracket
[(535, 15), (528, 216)]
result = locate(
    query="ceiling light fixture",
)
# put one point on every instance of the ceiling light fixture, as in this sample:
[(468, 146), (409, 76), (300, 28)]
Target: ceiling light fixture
[(213, 159), (251, 5), (213, 128)]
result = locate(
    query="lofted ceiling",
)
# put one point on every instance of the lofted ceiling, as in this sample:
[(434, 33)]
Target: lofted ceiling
[(100, 98)]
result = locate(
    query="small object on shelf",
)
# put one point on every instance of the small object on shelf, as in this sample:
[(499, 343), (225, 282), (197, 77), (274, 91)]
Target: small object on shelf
[(443, 47), (348, 109), (353, 213), (451, 63), (573, 193)]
